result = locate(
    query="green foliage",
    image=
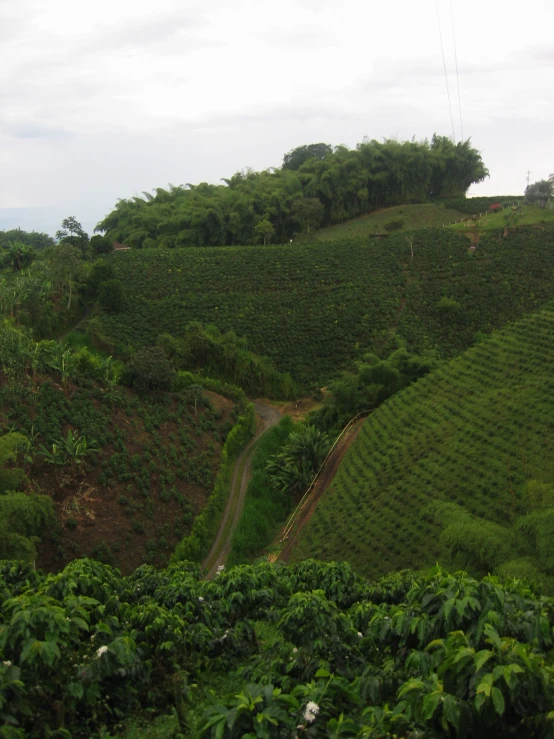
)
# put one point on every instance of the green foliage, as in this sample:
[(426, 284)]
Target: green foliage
[(101, 271), (448, 305), (292, 470), (474, 434), (372, 381), (539, 192), (395, 224), (198, 543), (474, 206), (150, 369), (296, 158), (11, 477), (72, 233), (186, 379), (101, 245), (17, 255), (23, 519), (265, 508), (110, 295), (30, 238), (336, 297), (226, 357), (316, 186), (261, 652)]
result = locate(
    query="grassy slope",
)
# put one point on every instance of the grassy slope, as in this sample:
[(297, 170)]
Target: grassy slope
[(468, 433), (414, 216), (529, 214), (310, 308)]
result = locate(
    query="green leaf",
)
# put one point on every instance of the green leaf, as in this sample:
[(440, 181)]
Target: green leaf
[(76, 690), (448, 607), (430, 703), (482, 657), (464, 653), (409, 686), (498, 700), (485, 685), (322, 673), (451, 711)]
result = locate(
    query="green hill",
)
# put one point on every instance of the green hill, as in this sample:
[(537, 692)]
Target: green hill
[(311, 309), (477, 433), (406, 216), (526, 215)]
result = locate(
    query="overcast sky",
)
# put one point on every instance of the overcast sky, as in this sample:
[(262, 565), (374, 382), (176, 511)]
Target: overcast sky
[(101, 100)]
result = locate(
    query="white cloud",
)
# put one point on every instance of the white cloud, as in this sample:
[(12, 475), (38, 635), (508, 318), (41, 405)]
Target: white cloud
[(102, 100)]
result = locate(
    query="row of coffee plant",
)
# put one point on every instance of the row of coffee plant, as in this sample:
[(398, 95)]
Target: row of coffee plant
[(477, 434), (271, 651), (311, 309)]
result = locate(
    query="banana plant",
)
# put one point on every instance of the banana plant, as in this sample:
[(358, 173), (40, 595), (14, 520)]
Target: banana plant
[(63, 361), (72, 450)]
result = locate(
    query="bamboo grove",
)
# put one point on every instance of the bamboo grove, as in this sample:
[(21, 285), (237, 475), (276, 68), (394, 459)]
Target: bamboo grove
[(317, 186)]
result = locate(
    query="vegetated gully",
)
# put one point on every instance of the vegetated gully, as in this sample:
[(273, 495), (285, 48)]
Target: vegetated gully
[(221, 548), (269, 416), (326, 477)]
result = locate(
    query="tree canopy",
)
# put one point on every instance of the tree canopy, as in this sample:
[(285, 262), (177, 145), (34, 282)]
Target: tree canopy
[(317, 186)]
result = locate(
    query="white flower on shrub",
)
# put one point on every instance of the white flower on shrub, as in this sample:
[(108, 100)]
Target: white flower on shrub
[(201, 599), (7, 663), (360, 635), (311, 711), (101, 650)]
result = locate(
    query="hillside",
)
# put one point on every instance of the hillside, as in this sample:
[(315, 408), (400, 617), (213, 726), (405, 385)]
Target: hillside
[(310, 309), (127, 472), (525, 215), (477, 433), (407, 217)]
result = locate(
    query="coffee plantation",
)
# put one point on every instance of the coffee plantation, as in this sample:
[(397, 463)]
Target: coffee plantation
[(271, 651)]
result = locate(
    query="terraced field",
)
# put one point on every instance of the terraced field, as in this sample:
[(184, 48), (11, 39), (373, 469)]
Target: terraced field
[(311, 309), (473, 433)]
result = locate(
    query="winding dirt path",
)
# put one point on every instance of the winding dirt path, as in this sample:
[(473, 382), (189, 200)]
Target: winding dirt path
[(323, 482), (222, 545)]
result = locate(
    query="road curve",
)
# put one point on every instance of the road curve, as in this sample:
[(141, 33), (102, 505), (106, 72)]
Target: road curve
[(219, 552)]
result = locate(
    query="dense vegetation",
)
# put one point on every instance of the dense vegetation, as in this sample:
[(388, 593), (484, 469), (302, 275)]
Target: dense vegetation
[(33, 239), (456, 467), (317, 186), (128, 472), (312, 309), (265, 651)]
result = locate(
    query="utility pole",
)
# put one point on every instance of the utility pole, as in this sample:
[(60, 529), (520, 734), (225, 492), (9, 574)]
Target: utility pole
[(528, 174)]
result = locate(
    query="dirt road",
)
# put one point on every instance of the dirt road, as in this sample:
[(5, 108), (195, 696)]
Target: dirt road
[(269, 416)]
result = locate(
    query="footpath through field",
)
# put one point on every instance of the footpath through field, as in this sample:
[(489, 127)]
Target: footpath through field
[(324, 480), (219, 552)]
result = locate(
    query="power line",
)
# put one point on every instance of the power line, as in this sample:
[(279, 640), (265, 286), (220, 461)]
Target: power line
[(446, 76), (457, 75)]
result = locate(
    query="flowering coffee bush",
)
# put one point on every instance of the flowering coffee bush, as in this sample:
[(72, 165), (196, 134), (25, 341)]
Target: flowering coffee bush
[(310, 650)]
